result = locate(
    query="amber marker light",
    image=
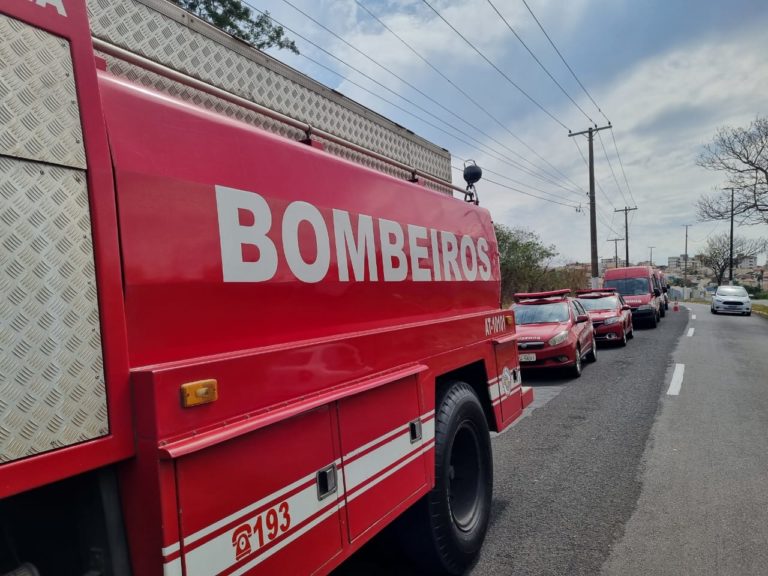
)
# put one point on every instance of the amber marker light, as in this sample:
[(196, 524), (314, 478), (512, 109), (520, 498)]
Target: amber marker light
[(200, 392), (509, 319)]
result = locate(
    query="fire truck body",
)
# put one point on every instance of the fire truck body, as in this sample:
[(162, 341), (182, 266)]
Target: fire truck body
[(278, 335)]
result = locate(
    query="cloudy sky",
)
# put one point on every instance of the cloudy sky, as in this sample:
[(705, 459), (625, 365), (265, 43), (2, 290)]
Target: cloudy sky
[(666, 73)]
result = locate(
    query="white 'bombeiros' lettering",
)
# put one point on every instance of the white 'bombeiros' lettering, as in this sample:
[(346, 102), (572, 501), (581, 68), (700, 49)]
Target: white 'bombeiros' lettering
[(392, 242), (355, 251), (435, 254), (250, 252), (236, 235), (450, 253), (295, 214), (418, 252), (468, 255)]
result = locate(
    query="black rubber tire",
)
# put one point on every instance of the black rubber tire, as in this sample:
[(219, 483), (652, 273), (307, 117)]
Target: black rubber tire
[(662, 311), (749, 313), (592, 354), (712, 310), (631, 333), (577, 367), (654, 321), (444, 531), (623, 341)]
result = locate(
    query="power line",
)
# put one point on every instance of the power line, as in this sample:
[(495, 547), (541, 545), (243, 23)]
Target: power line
[(472, 100), (539, 63), (496, 155), (503, 75), (503, 158), (597, 182), (458, 169), (605, 152), (566, 63), (562, 58), (489, 171), (629, 189)]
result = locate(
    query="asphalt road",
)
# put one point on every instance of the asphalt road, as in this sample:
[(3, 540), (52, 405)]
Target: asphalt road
[(703, 508), (610, 474), (567, 475)]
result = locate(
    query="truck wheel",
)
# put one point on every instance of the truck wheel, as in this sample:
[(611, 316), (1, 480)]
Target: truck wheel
[(446, 528), (654, 321), (662, 311), (576, 368)]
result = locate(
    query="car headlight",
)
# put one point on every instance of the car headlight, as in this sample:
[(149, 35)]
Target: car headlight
[(558, 338), (645, 307), (612, 320)]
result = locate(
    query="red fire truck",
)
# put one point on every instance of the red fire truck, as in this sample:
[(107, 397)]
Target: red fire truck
[(224, 351)]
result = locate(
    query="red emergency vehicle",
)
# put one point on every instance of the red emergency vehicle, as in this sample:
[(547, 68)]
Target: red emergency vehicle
[(611, 316), (224, 351), (641, 290), (554, 330)]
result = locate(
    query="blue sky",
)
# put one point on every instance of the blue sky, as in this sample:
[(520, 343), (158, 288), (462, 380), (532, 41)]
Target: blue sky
[(666, 73)]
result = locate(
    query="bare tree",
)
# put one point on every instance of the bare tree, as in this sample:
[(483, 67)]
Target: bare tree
[(742, 154), (717, 253)]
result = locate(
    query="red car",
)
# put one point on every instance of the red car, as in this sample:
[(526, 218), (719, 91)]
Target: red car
[(611, 316), (553, 331)]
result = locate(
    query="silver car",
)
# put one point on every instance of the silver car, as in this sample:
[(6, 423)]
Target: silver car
[(731, 299)]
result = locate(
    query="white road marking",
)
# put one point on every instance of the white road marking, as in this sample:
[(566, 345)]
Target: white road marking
[(677, 380), (693, 316), (690, 332)]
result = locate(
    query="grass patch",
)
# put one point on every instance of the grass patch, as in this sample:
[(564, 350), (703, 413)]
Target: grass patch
[(760, 309)]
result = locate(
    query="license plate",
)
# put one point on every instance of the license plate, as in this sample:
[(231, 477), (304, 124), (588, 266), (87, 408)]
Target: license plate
[(527, 357)]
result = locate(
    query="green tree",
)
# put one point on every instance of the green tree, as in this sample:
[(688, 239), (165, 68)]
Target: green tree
[(524, 261), (235, 18)]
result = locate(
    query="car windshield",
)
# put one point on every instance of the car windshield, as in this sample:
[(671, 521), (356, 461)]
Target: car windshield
[(629, 286), (731, 291), (606, 303), (540, 313)]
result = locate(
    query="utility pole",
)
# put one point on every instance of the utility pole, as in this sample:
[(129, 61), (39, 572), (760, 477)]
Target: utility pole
[(685, 259), (626, 210), (592, 209), (616, 249), (651, 260), (730, 252)]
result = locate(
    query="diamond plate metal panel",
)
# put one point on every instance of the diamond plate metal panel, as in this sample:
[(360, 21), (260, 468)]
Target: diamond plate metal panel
[(39, 116), (164, 35), (52, 390)]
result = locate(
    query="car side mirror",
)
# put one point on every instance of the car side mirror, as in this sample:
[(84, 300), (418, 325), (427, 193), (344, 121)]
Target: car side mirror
[(626, 307), (582, 318), (665, 289), (656, 292)]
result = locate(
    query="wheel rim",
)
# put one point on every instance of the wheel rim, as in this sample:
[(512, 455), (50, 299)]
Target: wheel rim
[(465, 478)]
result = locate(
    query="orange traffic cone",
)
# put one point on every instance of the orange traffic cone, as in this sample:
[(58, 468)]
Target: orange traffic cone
[(675, 307)]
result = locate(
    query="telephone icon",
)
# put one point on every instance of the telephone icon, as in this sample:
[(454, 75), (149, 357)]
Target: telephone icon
[(241, 540)]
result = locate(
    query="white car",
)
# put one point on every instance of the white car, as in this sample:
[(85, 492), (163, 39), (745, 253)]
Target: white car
[(731, 299)]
